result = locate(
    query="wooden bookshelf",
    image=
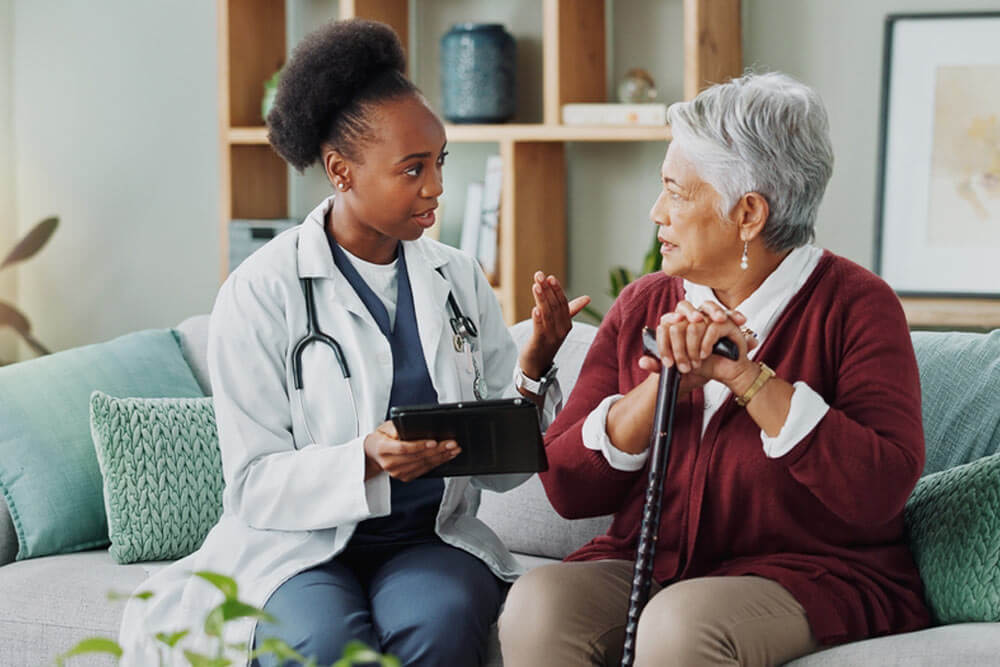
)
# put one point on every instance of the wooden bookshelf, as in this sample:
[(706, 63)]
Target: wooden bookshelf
[(533, 222)]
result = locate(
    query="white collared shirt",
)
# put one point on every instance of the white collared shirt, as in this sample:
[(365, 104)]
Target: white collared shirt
[(762, 309)]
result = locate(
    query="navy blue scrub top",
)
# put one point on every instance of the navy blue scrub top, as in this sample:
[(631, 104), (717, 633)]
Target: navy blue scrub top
[(414, 504)]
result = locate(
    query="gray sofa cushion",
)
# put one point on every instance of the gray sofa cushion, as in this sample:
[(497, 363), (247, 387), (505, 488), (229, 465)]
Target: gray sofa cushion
[(8, 536), (524, 519), (51, 603), (966, 644)]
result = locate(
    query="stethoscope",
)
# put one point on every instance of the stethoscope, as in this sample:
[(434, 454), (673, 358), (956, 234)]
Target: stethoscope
[(465, 335)]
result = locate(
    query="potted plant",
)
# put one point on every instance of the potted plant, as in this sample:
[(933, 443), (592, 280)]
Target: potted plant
[(27, 247)]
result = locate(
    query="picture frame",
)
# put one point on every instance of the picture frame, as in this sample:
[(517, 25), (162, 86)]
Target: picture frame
[(937, 231)]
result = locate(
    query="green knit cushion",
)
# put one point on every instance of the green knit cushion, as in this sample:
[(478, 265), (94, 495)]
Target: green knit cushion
[(953, 519), (162, 473)]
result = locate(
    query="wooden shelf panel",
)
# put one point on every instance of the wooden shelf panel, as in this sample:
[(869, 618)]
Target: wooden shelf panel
[(461, 134), (931, 312), (560, 133)]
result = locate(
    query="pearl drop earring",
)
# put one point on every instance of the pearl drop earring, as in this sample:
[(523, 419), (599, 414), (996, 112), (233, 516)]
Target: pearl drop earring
[(341, 186), (743, 259)]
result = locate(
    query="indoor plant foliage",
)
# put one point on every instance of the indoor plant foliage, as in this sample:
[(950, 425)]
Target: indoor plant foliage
[(230, 609), (24, 249), (620, 276)]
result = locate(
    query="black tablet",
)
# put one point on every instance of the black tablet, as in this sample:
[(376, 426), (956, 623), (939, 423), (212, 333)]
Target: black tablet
[(496, 437)]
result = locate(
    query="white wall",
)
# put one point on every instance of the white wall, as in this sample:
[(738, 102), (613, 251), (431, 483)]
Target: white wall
[(836, 47), (116, 116), (8, 225)]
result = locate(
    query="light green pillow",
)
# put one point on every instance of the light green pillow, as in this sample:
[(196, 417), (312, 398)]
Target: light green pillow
[(953, 519), (48, 471), (162, 473)]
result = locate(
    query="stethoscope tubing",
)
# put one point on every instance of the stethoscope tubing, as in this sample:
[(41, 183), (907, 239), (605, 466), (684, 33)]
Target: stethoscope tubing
[(461, 325)]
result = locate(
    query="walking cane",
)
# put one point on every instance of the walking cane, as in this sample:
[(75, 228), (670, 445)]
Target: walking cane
[(659, 445)]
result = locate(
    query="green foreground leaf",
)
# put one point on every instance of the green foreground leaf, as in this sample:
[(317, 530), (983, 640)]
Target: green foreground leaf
[(230, 610), (225, 584), (199, 660), (172, 639), (92, 645)]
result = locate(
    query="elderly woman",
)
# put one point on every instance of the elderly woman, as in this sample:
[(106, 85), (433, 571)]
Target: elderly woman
[(782, 524)]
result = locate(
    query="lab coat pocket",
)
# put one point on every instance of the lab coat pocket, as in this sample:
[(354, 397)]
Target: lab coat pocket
[(327, 408)]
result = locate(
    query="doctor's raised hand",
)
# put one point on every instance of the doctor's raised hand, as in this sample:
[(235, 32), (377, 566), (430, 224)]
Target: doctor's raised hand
[(551, 318)]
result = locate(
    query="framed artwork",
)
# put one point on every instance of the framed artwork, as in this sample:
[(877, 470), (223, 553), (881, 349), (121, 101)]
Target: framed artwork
[(938, 209)]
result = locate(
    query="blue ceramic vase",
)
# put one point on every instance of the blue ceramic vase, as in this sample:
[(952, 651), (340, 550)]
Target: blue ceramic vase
[(478, 64)]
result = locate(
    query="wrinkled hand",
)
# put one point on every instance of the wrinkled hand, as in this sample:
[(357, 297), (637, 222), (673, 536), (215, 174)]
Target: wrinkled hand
[(686, 337), (405, 460), (552, 318)]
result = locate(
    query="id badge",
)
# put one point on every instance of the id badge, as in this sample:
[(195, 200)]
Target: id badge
[(472, 374)]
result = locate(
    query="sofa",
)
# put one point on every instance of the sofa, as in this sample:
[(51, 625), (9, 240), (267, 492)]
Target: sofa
[(49, 603)]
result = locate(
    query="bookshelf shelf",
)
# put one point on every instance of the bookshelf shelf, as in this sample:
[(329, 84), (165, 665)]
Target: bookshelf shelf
[(533, 217), (937, 312), (513, 132)]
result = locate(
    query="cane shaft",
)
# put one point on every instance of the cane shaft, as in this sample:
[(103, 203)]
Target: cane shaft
[(642, 574)]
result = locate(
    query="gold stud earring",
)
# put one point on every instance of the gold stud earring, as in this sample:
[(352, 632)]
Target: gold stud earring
[(744, 264)]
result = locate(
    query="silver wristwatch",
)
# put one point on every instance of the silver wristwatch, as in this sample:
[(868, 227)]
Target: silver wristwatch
[(536, 387)]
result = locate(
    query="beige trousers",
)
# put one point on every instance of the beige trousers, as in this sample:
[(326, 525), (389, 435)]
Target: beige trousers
[(573, 614)]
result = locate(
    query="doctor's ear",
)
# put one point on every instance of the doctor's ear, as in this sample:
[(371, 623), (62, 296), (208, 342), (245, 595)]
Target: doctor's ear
[(338, 171)]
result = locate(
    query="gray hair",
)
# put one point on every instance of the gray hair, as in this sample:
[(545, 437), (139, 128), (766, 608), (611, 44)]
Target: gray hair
[(764, 133)]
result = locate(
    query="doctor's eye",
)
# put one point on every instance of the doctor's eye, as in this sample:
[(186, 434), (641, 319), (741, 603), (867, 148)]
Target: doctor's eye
[(441, 158), (414, 170)]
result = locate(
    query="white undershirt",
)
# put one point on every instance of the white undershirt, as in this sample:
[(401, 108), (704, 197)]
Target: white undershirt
[(383, 279), (762, 309)]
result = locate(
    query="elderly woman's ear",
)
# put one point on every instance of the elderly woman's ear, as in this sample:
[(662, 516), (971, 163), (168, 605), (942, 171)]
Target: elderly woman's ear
[(750, 214)]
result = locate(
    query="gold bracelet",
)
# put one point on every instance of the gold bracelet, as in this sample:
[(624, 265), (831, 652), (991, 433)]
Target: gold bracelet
[(765, 374)]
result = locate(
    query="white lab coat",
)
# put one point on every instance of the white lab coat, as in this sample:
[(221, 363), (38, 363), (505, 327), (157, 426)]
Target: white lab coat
[(292, 501)]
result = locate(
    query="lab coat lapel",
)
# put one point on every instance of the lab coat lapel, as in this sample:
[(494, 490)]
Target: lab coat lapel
[(430, 296), (315, 261)]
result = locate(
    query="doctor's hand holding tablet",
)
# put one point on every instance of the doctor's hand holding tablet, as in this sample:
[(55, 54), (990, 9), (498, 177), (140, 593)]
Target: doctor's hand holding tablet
[(552, 318)]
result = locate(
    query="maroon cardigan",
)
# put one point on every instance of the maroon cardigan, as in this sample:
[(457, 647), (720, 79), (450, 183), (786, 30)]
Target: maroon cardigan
[(825, 520)]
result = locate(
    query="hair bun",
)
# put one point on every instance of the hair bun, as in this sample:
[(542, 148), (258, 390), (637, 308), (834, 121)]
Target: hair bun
[(326, 72)]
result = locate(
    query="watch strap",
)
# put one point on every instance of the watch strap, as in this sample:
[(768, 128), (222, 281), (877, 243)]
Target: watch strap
[(765, 374), (536, 387)]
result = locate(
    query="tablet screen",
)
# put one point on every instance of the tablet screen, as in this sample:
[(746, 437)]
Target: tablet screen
[(496, 436)]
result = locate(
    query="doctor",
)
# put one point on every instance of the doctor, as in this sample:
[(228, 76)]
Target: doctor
[(326, 521)]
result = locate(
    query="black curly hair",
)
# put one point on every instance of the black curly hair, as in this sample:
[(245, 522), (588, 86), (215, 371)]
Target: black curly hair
[(327, 90)]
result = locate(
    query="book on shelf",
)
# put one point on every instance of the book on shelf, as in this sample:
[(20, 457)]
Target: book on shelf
[(469, 241), (490, 217), (651, 114)]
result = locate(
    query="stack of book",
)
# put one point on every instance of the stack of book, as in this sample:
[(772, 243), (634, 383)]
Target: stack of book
[(480, 225), (614, 114)]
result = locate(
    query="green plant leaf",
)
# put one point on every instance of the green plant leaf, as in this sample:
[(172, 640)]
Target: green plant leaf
[(594, 314), (279, 649), (620, 277), (172, 638), (230, 610), (92, 645), (225, 584), (141, 595), (199, 660), (32, 242), (14, 318), (653, 260)]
